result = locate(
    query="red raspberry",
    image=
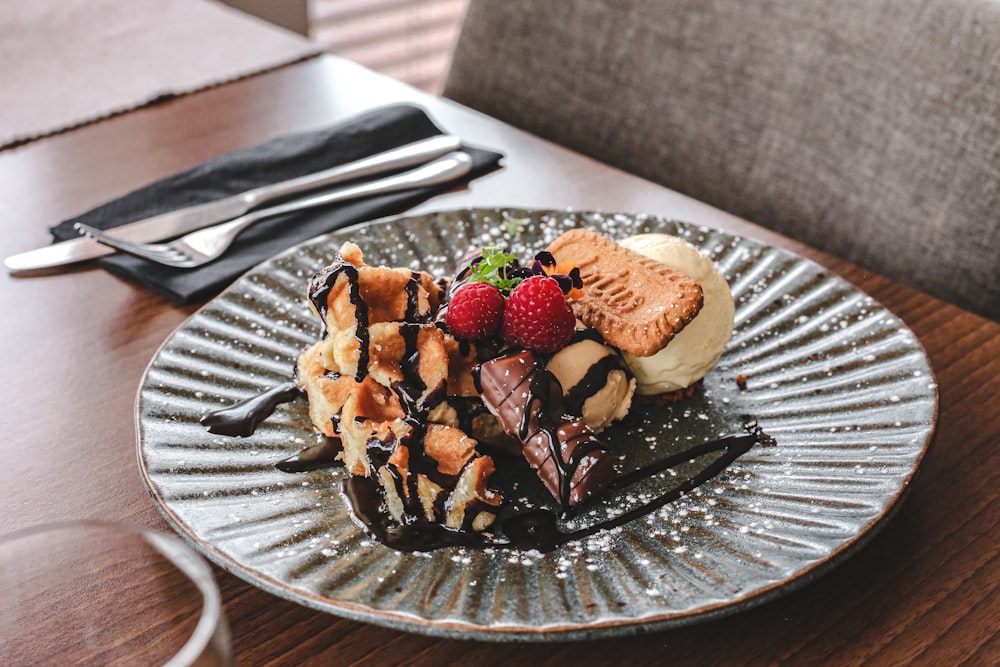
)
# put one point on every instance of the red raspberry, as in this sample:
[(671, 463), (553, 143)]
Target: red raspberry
[(474, 311), (537, 316)]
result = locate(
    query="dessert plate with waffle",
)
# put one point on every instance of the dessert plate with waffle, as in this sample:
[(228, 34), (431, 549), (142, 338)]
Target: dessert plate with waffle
[(534, 425)]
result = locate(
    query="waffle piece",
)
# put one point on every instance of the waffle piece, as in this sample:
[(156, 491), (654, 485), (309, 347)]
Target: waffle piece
[(324, 390), (350, 296), (636, 303), (473, 505), (443, 480), (380, 380)]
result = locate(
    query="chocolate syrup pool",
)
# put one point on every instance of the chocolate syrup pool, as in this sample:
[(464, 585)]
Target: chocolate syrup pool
[(539, 529), (536, 529)]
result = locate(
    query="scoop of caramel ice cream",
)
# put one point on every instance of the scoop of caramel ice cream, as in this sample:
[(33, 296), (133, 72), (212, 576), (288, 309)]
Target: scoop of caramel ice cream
[(597, 384)]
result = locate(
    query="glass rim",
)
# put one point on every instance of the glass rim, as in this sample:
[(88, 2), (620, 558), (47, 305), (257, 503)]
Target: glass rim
[(171, 547)]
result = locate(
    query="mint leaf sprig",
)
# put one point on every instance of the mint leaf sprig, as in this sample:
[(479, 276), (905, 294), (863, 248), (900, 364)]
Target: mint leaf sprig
[(496, 268)]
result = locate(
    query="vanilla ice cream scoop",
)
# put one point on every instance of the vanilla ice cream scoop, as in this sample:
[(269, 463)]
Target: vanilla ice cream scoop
[(696, 349), (596, 382)]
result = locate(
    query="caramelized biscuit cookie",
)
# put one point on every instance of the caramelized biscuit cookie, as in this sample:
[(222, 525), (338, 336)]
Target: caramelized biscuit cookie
[(637, 304)]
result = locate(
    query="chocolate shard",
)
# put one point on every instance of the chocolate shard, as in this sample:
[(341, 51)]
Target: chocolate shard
[(571, 461)]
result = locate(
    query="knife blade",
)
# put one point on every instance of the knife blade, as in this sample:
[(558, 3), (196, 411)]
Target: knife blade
[(182, 221)]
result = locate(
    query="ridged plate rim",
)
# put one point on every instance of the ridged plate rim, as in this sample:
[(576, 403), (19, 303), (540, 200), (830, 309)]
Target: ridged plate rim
[(175, 391)]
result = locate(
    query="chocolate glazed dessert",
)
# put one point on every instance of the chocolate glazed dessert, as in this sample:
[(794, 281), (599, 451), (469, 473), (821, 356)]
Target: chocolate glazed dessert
[(527, 399)]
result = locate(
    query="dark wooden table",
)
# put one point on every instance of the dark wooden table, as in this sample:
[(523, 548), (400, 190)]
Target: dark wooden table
[(75, 344)]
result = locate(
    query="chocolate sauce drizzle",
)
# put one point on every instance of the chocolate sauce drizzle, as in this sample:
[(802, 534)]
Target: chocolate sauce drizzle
[(593, 381), (539, 529), (319, 292), (579, 442), (412, 289), (365, 498), (242, 419), (315, 457)]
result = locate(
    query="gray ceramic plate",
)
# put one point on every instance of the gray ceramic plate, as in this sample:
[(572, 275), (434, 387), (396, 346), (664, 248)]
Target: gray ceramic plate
[(843, 386)]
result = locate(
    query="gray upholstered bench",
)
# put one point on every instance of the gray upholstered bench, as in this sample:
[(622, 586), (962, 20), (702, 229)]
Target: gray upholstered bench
[(869, 129)]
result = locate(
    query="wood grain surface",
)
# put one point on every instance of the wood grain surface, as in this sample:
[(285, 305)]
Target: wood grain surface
[(76, 342)]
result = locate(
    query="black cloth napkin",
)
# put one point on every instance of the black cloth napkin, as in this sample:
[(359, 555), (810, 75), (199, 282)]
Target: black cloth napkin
[(270, 162)]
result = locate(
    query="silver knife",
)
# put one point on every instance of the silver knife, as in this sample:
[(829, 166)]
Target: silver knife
[(175, 223)]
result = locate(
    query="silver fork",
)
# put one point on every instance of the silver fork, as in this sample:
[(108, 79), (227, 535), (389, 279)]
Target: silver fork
[(205, 245)]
